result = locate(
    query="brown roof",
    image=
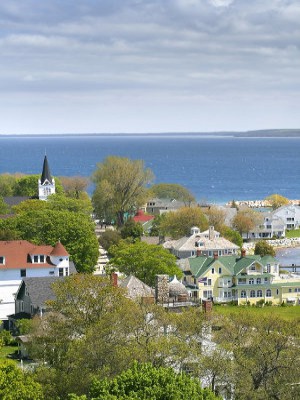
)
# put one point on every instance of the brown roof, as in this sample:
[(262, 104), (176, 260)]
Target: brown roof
[(59, 250), (16, 254)]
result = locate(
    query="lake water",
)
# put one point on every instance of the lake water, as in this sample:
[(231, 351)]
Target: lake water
[(213, 169)]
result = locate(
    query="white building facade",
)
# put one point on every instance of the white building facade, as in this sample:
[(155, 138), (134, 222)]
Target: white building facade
[(20, 259)]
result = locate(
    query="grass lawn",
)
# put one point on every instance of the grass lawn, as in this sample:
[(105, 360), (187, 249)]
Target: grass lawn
[(293, 233), (6, 350), (289, 313)]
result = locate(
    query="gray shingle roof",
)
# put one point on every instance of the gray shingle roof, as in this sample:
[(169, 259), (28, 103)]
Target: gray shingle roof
[(40, 289), (135, 287)]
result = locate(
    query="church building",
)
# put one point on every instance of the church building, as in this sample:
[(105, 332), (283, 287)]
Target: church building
[(46, 183)]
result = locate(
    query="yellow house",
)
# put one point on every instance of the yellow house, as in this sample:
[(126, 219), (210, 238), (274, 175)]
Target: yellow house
[(245, 279)]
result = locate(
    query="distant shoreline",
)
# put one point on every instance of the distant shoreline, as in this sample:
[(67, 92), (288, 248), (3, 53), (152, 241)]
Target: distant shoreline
[(267, 133)]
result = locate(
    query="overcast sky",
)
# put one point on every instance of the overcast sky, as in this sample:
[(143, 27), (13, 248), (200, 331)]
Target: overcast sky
[(76, 66)]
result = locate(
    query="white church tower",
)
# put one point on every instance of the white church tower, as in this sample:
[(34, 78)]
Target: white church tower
[(46, 183)]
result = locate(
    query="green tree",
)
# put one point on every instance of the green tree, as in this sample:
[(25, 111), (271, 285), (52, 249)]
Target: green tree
[(266, 365), (132, 229), (76, 337), (74, 186), (172, 191), (234, 205), (179, 223), (156, 229), (143, 260), (120, 187), (276, 200), (4, 209), (75, 230), (78, 205), (144, 381), (231, 235), (216, 217), (7, 183), (7, 233), (16, 384), (263, 248), (246, 219), (28, 186), (108, 238), (24, 326), (94, 330)]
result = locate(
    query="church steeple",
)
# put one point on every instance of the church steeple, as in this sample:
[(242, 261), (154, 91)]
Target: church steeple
[(46, 175), (46, 182)]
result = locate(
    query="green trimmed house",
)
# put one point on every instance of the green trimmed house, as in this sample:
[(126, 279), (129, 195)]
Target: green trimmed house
[(242, 279)]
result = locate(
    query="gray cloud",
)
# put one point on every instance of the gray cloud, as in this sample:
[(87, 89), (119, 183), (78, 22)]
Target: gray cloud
[(173, 61)]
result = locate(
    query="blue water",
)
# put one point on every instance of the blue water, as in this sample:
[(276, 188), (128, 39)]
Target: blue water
[(213, 169)]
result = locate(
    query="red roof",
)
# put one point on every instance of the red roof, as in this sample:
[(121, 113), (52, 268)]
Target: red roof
[(142, 217), (17, 253), (59, 250)]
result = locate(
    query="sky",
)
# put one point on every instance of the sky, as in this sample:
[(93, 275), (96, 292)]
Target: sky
[(140, 66)]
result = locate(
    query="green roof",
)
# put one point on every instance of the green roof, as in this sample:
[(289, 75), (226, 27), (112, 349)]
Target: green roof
[(199, 265)]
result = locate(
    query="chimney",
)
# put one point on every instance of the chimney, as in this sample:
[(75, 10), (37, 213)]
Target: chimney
[(162, 289), (114, 279), (211, 233), (243, 253), (216, 255)]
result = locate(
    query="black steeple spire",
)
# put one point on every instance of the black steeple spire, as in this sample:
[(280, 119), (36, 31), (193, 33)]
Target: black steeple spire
[(46, 175)]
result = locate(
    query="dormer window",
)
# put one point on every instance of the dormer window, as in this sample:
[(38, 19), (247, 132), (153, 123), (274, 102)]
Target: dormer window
[(38, 258), (2, 260)]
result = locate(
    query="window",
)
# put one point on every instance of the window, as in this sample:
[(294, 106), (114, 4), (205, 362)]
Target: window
[(258, 281), (212, 270), (60, 272), (259, 293), (51, 272), (21, 305), (207, 294), (67, 272), (23, 273), (252, 293), (42, 259), (252, 267), (243, 294), (251, 281), (220, 270), (290, 290), (268, 268), (208, 282), (277, 291), (1, 260), (269, 293), (35, 259), (266, 280)]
